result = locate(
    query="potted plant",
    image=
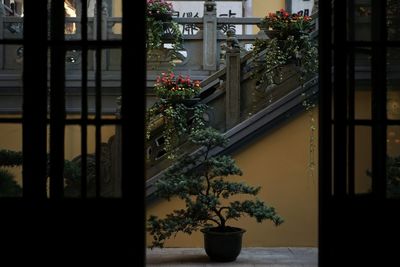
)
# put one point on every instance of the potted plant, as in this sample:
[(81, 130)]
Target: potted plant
[(289, 43), (176, 88), (199, 180), (177, 108), (289, 47), (159, 10), (281, 24), (161, 28)]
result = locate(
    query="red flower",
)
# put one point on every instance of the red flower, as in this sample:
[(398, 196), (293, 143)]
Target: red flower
[(286, 23), (171, 87)]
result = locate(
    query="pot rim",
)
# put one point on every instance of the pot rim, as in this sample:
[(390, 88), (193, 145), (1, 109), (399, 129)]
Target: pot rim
[(209, 230)]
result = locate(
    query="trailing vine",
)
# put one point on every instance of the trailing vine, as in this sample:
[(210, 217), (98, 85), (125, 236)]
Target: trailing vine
[(309, 105), (161, 29), (174, 112), (269, 56), (289, 43), (179, 120), (177, 110)]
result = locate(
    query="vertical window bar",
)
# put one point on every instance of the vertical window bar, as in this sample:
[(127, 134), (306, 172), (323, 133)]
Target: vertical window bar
[(351, 94), (57, 100), (133, 182), (84, 104), (340, 99), (34, 99), (325, 129), (351, 148), (379, 34), (98, 95), (325, 99), (132, 115)]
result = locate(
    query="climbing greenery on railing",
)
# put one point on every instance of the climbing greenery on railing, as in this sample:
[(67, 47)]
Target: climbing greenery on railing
[(176, 108), (161, 29), (289, 43), (299, 51)]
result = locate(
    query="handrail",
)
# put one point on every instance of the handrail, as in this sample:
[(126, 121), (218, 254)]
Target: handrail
[(7, 8), (245, 20), (241, 131), (213, 87)]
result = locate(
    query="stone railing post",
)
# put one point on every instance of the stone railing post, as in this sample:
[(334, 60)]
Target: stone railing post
[(232, 98), (210, 36)]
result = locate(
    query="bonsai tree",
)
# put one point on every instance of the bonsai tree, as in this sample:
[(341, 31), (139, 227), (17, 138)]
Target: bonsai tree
[(198, 180)]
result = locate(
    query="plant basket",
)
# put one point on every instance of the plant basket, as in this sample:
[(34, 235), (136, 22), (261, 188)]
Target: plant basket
[(272, 33), (187, 102), (165, 17)]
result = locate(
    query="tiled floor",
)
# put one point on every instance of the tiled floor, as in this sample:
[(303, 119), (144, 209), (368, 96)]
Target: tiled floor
[(271, 257)]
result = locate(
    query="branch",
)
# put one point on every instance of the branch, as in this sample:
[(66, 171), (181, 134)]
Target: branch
[(227, 208), (213, 220), (208, 184)]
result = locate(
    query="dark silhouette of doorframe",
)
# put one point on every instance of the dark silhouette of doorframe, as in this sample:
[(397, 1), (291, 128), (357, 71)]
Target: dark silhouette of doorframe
[(96, 228)]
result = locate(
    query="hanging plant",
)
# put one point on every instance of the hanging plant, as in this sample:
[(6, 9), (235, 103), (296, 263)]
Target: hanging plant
[(282, 24), (161, 29), (299, 51), (289, 43), (177, 107)]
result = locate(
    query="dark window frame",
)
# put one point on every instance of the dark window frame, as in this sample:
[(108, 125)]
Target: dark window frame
[(110, 220), (347, 229)]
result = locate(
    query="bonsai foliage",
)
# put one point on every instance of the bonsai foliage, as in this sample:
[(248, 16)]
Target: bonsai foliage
[(199, 180), (8, 186)]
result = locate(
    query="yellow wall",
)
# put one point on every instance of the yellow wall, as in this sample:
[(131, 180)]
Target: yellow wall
[(11, 139), (279, 163), (117, 12), (261, 8)]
